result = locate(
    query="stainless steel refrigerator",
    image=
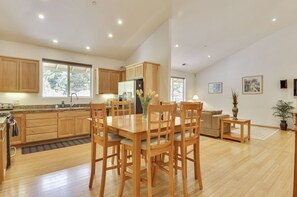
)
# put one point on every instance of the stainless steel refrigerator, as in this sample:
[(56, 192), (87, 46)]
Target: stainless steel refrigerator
[(127, 91)]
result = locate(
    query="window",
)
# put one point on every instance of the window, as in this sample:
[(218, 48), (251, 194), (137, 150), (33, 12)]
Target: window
[(61, 79), (177, 89)]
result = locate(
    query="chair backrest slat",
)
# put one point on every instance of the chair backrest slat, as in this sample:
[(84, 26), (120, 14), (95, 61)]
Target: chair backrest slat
[(190, 119), (99, 122), (161, 122), (119, 108)]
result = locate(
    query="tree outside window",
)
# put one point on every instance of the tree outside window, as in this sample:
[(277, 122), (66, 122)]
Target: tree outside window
[(177, 89)]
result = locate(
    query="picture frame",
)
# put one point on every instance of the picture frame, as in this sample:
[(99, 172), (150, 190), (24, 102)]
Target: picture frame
[(215, 87), (252, 84)]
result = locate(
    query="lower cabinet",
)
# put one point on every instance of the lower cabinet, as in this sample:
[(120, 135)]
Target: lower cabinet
[(66, 127), (47, 126), (73, 123), (3, 153), (20, 139)]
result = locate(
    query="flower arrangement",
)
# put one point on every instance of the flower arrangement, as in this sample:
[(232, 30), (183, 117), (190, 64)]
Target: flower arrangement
[(145, 100)]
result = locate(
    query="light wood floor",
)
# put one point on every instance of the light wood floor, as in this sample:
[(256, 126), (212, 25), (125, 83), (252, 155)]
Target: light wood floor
[(259, 168)]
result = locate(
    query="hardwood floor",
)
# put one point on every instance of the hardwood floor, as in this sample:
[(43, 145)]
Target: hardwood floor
[(261, 168)]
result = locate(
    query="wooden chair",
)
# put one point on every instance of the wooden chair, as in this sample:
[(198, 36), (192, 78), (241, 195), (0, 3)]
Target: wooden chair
[(159, 140), (119, 108), (190, 135), (101, 135)]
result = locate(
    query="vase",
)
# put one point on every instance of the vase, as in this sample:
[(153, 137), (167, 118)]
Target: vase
[(144, 112), (235, 111), (283, 125)]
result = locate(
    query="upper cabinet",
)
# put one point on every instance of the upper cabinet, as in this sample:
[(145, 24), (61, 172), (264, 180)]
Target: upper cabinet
[(147, 71), (19, 75), (109, 80)]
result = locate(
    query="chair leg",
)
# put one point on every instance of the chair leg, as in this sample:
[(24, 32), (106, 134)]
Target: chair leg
[(118, 159), (171, 173), (112, 152), (155, 169), (197, 165), (93, 163), (123, 170), (175, 158), (149, 177), (103, 175), (184, 169)]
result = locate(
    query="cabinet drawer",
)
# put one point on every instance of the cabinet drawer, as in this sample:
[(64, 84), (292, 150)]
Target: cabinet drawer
[(42, 122), (40, 137), (74, 114), (41, 116), (40, 130)]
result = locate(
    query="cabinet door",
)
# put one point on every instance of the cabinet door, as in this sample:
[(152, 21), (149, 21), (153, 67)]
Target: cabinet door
[(21, 137), (138, 71), (82, 125), (130, 72), (29, 76), (104, 81), (66, 127), (114, 82), (9, 75), (123, 75)]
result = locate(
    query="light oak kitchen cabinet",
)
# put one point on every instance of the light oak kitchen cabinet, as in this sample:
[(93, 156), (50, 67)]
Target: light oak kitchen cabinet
[(41, 126), (108, 81), (147, 71), (19, 75), (3, 148), (21, 138), (73, 123)]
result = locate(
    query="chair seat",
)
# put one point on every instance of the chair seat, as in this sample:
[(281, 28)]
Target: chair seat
[(177, 136), (154, 141), (112, 137)]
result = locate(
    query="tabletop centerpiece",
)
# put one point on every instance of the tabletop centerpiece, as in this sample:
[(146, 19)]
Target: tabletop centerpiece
[(235, 102), (145, 100)]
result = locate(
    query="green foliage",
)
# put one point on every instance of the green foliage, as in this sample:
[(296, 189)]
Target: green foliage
[(283, 110)]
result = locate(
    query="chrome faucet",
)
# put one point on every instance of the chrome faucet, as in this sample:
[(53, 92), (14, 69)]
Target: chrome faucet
[(71, 102)]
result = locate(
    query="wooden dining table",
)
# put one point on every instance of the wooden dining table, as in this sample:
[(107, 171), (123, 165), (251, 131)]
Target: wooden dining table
[(134, 128)]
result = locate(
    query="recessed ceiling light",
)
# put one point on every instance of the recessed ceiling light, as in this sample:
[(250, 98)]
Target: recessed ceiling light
[(209, 56), (110, 35), (120, 22), (55, 41), (274, 19), (176, 46), (40, 16), (88, 48)]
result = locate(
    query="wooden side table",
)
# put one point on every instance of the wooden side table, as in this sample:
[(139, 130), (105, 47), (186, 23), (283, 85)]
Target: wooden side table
[(241, 122)]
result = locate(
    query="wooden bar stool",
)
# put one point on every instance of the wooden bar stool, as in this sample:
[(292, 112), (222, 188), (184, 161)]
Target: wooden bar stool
[(101, 135), (190, 135), (159, 140), (119, 108)]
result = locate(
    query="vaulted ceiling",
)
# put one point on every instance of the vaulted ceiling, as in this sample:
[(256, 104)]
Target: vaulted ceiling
[(205, 30)]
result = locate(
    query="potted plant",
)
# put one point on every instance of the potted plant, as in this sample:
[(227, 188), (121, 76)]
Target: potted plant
[(283, 110)]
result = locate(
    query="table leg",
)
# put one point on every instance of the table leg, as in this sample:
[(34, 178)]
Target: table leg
[(241, 133), (136, 165), (249, 130), (222, 129)]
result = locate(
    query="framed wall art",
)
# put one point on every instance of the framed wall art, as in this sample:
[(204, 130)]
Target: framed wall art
[(215, 88), (252, 84)]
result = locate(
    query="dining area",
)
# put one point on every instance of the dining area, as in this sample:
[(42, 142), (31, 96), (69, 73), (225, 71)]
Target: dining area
[(138, 147)]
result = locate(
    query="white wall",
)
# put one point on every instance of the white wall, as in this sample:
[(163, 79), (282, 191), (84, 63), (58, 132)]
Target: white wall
[(20, 50), (274, 57), (156, 49), (190, 82)]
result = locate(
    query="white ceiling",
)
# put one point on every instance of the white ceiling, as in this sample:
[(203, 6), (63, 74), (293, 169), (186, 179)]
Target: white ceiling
[(201, 27), (77, 24), (222, 27)]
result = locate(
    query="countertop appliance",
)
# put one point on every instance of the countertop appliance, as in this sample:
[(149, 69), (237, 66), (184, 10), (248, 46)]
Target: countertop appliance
[(127, 91)]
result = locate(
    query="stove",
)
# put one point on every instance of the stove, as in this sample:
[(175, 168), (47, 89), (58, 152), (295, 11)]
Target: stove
[(5, 109)]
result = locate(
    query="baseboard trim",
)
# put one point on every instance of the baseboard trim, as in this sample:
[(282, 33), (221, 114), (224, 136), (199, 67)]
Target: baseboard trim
[(265, 126)]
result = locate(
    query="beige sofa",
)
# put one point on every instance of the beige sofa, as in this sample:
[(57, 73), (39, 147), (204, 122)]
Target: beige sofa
[(211, 123)]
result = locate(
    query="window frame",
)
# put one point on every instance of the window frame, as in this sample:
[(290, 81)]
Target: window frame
[(184, 88), (68, 64)]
